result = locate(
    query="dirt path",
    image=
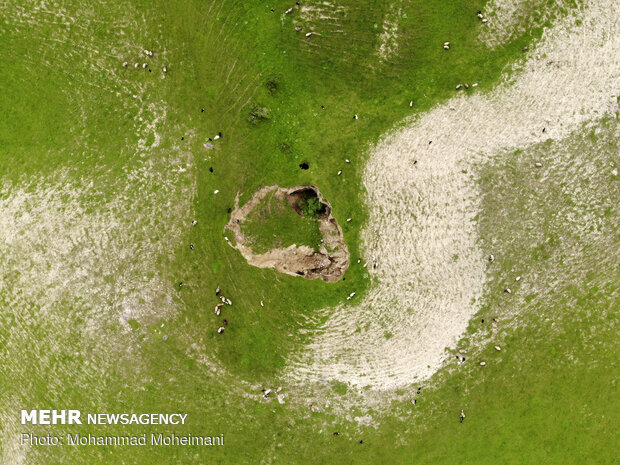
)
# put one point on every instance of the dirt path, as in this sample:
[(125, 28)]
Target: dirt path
[(423, 202)]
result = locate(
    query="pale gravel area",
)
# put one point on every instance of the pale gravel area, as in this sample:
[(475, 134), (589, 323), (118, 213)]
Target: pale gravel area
[(509, 18), (422, 228)]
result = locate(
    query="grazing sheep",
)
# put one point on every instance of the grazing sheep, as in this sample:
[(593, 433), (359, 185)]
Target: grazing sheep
[(279, 390), (538, 164), (483, 364), (262, 304), (223, 299), (339, 172), (228, 302), (218, 310), (137, 65), (144, 65), (191, 247), (218, 289), (507, 291), (314, 408), (289, 11), (216, 137), (266, 393), (349, 220), (518, 278), (164, 69), (485, 20), (411, 103), (491, 258), (308, 34), (125, 64), (194, 222), (458, 86), (355, 117), (216, 191), (462, 417), (498, 348), (220, 330)]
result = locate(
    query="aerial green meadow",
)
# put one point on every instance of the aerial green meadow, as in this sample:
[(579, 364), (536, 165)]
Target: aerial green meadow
[(105, 307)]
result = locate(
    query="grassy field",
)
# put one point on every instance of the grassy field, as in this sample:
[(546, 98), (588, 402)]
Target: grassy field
[(273, 224), (104, 169)]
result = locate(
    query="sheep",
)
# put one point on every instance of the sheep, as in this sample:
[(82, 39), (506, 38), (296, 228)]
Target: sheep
[(458, 86), (462, 417), (216, 137), (491, 258), (191, 247), (194, 222), (125, 64), (507, 290), (498, 348), (266, 393), (339, 172), (518, 278), (538, 164), (289, 11), (475, 84), (218, 310), (484, 21), (349, 220), (262, 304), (348, 161), (223, 299), (446, 47), (137, 65), (164, 69), (144, 65), (220, 330), (218, 289), (483, 364), (228, 302), (216, 191), (279, 390), (313, 408), (308, 34), (411, 104), (355, 117)]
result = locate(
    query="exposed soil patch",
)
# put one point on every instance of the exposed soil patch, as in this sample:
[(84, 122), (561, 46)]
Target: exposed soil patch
[(328, 263)]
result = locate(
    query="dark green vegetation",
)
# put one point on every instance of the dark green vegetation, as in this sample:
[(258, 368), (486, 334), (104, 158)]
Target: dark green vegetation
[(273, 224), (69, 114)]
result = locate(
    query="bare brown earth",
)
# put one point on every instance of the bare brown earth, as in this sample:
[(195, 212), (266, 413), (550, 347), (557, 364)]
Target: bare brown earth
[(329, 263)]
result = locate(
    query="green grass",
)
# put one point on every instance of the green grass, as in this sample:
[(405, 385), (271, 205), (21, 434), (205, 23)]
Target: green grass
[(273, 224), (71, 115)]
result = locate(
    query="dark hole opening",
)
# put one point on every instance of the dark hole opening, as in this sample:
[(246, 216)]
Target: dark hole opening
[(304, 166)]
